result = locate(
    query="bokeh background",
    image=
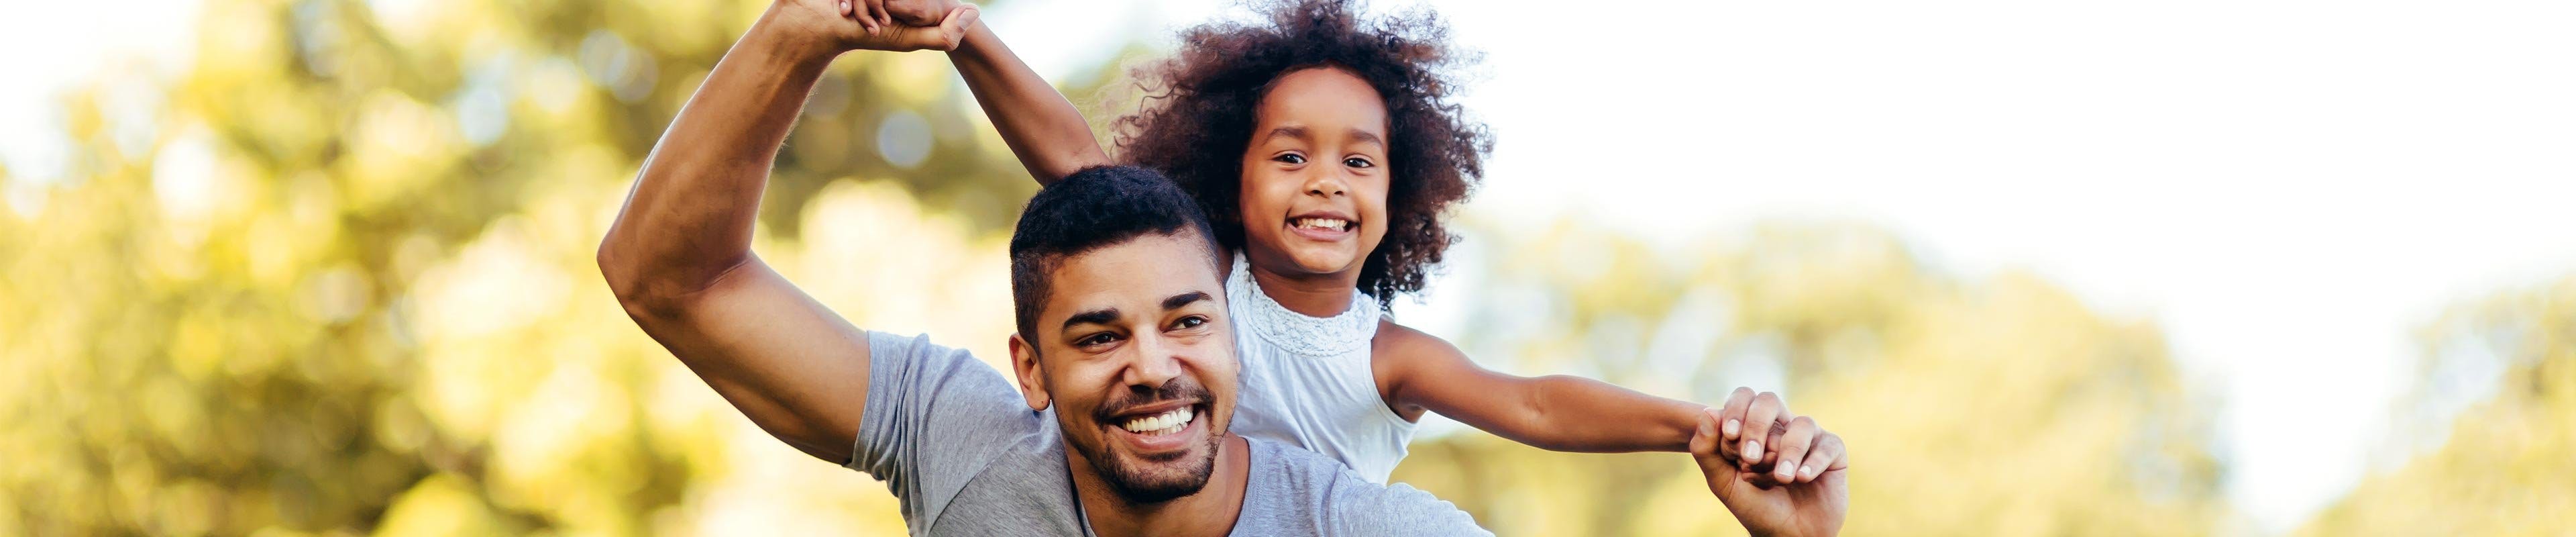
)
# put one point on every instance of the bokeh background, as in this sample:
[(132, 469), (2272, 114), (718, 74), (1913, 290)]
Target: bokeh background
[(324, 266)]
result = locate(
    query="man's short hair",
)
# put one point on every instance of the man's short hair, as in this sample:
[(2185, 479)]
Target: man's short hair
[(1095, 208)]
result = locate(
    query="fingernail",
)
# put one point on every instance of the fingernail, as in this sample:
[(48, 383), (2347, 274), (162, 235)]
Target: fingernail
[(1783, 474), (1752, 450), (1731, 426), (1810, 470)]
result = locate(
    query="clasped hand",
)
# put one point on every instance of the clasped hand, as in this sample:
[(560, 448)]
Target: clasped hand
[(837, 26), (1779, 473)]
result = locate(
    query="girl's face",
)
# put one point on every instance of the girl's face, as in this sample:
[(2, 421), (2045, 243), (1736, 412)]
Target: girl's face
[(1315, 176)]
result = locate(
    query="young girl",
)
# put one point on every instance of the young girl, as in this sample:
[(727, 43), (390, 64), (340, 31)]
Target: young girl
[(1326, 153)]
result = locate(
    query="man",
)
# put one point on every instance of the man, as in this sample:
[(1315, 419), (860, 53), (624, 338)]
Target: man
[(1123, 355)]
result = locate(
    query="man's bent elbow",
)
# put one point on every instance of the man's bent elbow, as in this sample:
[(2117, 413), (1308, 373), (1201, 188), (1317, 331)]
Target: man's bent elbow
[(626, 280), (658, 289)]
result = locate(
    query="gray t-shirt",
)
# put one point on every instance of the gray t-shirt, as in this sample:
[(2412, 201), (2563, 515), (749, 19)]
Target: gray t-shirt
[(956, 443)]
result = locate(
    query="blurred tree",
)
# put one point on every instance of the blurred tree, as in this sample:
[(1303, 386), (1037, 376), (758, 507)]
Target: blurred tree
[(2507, 465), (1995, 407), (338, 278)]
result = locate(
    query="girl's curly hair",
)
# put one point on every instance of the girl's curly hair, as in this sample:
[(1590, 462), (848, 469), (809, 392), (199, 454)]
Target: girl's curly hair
[(1199, 107)]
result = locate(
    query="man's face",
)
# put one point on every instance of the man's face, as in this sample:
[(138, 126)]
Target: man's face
[(1134, 351)]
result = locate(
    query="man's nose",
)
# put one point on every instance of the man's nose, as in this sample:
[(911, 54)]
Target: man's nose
[(1154, 363)]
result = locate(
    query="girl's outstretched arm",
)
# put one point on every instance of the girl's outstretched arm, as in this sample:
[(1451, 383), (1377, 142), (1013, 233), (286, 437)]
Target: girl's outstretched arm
[(1418, 372), (1042, 128)]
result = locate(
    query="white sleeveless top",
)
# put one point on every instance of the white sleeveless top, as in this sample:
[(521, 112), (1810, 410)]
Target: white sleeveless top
[(1306, 380)]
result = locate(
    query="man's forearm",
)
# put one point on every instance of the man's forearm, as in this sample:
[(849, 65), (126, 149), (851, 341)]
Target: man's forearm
[(1043, 129), (690, 215)]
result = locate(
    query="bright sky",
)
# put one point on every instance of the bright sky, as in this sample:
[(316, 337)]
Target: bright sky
[(2288, 188), (47, 48)]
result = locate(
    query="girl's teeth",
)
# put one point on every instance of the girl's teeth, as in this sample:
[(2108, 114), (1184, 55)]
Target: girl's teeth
[(1322, 223)]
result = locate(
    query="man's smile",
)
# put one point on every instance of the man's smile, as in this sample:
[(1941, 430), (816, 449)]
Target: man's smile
[(1160, 431)]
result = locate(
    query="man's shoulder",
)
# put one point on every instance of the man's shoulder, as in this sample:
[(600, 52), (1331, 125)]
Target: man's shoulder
[(1303, 489), (957, 444), (1292, 462), (1298, 473), (916, 359), (943, 390), (1023, 490)]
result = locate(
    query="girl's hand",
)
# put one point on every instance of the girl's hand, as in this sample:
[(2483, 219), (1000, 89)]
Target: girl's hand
[(947, 34), (830, 27), (914, 12), (1757, 431), (905, 25)]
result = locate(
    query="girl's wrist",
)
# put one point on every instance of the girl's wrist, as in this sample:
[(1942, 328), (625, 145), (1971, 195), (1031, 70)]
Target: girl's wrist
[(1685, 423)]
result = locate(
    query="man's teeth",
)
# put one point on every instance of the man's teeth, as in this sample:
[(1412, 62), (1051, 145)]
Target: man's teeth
[(1335, 224), (1160, 424)]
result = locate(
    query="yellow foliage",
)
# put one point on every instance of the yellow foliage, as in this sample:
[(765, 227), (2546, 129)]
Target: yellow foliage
[(1992, 407), (350, 287), (2508, 464)]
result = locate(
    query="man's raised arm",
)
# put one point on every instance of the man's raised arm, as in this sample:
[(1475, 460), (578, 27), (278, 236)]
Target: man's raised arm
[(679, 256)]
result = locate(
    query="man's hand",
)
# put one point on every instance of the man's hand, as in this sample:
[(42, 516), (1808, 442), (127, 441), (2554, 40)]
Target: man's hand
[(830, 27), (1780, 475)]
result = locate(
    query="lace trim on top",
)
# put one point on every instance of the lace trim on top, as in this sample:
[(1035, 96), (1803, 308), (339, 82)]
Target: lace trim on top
[(1296, 333)]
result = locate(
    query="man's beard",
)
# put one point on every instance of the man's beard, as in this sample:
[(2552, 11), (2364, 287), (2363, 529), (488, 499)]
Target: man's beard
[(1141, 484)]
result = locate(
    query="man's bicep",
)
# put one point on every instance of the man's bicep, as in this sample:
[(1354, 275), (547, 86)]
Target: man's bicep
[(794, 367)]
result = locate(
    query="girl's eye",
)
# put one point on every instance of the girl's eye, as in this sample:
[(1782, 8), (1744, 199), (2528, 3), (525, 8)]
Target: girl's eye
[(1357, 162), (1290, 158)]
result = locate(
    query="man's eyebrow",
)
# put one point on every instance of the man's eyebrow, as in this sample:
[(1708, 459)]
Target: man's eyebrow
[(1184, 299), (1291, 131), (1098, 316)]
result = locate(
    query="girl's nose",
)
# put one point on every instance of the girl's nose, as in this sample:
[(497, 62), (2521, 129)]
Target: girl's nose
[(1327, 184)]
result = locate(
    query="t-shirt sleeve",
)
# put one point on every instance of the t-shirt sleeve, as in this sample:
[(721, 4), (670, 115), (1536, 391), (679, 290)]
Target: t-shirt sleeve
[(935, 417)]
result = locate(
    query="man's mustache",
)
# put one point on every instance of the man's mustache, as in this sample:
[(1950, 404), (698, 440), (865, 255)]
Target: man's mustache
[(1178, 389)]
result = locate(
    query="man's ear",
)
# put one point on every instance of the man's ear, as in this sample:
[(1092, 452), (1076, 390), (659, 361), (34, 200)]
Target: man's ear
[(1024, 362)]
